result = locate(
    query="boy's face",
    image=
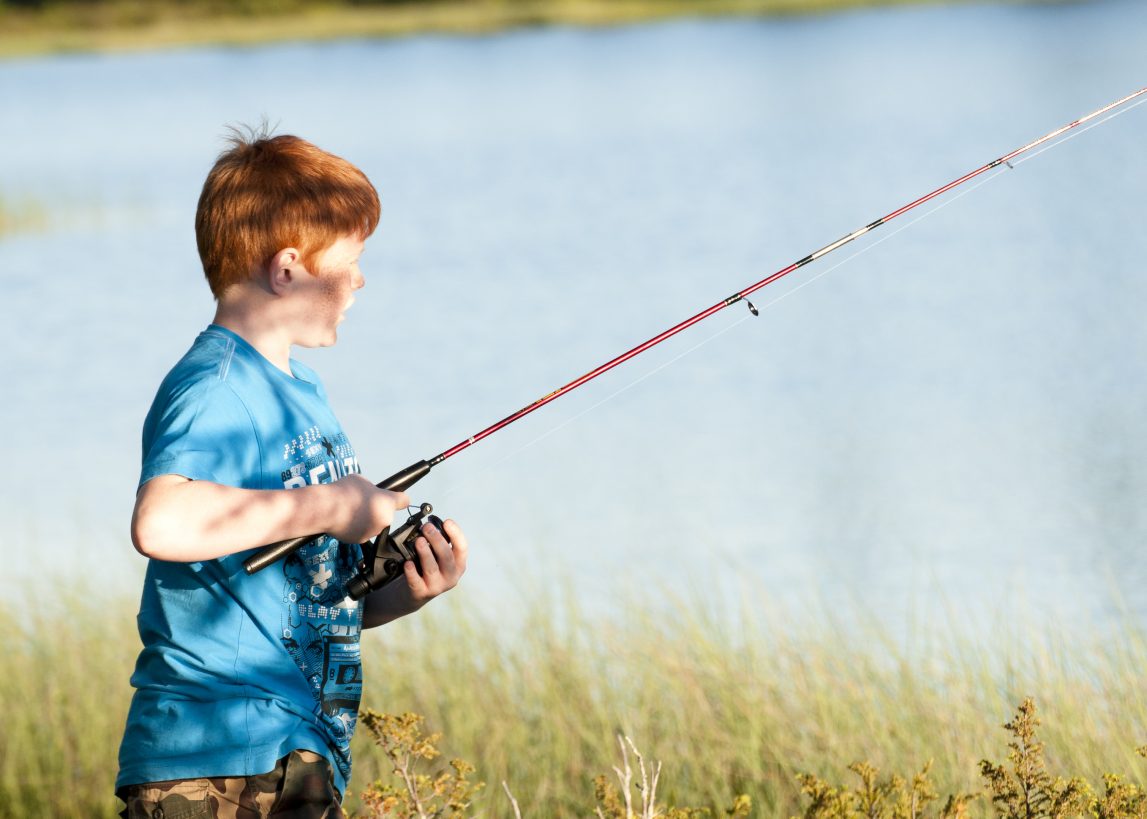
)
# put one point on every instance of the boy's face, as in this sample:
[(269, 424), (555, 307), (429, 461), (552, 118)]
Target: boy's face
[(327, 292)]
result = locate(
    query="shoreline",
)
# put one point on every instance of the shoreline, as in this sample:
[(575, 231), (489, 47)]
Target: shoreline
[(123, 26)]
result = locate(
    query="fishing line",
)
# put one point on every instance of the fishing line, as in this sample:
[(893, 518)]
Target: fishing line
[(1080, 132), (407, 477), (490, 468), (446, 492), (1003, 169)]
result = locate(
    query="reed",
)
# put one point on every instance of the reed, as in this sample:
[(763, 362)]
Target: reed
[(732, 701)]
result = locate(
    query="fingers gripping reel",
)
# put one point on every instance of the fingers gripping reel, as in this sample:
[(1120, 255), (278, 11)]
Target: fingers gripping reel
[(398, 482), (383, 559)]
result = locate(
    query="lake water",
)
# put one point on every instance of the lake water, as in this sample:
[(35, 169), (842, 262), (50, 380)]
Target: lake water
[(949, 428)]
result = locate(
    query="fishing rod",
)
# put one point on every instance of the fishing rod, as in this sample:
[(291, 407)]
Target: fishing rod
[(383, 559)]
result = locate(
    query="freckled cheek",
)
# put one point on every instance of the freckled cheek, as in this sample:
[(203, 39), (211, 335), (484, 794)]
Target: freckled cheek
[(334, 292)]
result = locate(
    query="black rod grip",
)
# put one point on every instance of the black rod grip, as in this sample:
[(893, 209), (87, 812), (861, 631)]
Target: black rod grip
[(398, 482), (406, 478), (269, 554)]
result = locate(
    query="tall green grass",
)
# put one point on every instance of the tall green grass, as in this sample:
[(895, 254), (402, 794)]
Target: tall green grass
[(731, 701)]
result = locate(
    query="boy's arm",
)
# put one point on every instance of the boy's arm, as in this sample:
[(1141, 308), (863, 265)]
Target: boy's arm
[(443, 563), (179, 519)]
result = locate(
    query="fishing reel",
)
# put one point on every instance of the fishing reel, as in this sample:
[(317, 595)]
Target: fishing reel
[(383, 559)]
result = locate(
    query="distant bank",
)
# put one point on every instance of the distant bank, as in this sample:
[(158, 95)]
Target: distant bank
[(31, 27)]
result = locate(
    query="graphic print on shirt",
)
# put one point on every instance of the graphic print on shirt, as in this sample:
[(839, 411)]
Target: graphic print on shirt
[(321, 624)]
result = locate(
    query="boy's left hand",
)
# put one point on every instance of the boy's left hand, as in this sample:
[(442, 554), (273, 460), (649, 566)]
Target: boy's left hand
[(443, 564)]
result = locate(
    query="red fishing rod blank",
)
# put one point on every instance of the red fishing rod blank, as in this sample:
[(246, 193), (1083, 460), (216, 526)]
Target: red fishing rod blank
[(408, 476)]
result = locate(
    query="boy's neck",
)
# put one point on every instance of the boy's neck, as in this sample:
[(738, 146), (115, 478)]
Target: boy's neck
[(259, 329)]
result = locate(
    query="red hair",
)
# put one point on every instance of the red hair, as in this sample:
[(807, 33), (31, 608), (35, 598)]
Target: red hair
[(267, 193)]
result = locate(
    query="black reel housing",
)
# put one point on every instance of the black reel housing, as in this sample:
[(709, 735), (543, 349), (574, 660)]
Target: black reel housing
[(382, 559)]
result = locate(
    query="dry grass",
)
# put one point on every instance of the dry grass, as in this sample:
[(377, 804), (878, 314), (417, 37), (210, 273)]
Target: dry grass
[(730, 703)]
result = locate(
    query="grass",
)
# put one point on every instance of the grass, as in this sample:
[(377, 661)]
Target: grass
[(730, 704), (30, 28)]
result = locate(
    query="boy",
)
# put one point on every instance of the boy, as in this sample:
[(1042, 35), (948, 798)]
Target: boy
[(248, 686)]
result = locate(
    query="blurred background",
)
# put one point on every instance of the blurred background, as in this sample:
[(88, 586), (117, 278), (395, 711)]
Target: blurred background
[(947, 428)]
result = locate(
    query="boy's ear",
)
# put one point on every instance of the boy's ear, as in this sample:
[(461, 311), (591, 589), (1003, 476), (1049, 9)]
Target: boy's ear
[(284, 268)]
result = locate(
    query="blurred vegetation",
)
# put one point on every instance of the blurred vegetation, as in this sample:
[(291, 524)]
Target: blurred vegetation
[(21, 215), (736, 702), (46, 26)]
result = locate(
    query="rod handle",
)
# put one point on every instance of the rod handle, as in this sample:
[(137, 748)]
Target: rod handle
[(276, 551), (398, 482)]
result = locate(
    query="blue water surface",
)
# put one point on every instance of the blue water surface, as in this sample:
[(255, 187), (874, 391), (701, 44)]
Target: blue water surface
[(948, 427)]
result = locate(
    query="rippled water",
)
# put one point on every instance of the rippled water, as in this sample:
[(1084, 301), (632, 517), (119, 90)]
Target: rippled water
[(950, 426)]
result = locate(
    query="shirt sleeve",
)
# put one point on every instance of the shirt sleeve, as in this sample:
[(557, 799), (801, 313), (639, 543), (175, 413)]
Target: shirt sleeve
[(206, 434)]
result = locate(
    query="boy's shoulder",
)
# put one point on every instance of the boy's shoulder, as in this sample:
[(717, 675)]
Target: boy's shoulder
[(205, 369), (208, 358), (221, 356), (223, 410), (221, 367), (198, 381)]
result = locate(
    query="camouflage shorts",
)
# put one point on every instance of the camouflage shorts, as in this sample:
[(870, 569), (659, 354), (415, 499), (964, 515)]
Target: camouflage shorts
[(301, 784)]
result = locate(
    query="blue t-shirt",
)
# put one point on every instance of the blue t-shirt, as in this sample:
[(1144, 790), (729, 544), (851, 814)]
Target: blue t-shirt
[(238, 670)]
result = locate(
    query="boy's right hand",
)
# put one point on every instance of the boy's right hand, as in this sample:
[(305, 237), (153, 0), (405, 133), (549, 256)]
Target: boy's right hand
[(362, 509)]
